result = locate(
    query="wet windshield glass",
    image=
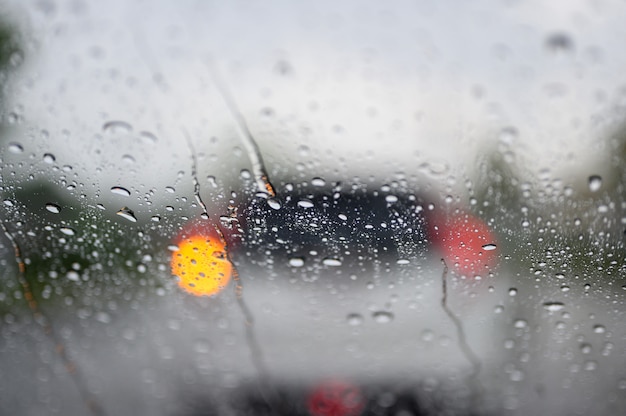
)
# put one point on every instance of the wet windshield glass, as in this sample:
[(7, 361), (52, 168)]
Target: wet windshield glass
[(314, 208)]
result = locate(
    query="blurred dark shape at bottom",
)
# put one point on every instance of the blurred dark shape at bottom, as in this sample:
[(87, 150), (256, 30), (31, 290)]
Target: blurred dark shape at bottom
[(333, 397)]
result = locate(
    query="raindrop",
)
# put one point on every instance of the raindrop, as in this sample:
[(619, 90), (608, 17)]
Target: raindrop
[(170, 189), (435, 168), (343, 217), (73, 276), (148, 137), (599, 329), (127, 213), (595, 183), (296, 261), (305, 203), (559, 43), (553, 306), (318, 182), (49, 158), (118, 190), (155, 218), (15, 148), (128, 159), (117, 127), (520, 323), (508, 135), (591, 365), (382, 317), (427, 335), (355, 319), (274, 203), (54, 208), (331, 262), (303, 151), (8, 202), (403, 261), (67, 230), (512, 291), (489, 247), (391, 199)]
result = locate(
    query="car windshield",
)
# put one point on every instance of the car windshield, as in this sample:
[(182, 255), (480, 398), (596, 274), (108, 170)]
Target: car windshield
[(312, 208)]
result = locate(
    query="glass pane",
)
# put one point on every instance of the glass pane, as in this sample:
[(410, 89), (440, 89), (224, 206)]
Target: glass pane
[(317, 208)]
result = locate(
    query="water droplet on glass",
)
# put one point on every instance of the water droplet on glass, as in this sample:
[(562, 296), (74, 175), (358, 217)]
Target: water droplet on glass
[(595, 183), (559, 43), (427, 335), (590, 365), (599, 329), (127, 213), (343, 217), (128, 159), (331, 262), (512, 291), (318, 182), (73, 276), (67, 230), (305, 203), (355, 319), (489, 247), (15, 148), (435, 168), (148, 137), (8, 202), (303, 150), (49, 158), (170, 189), (54, 208), (553, 306), (382, 317), (520, 323), (508, 135), (274, 203), (118, 190), (585, 348), (117, 127), (403, 261), (296, 261)]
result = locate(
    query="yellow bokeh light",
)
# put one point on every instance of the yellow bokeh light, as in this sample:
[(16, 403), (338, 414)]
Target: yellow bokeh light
[(201, 265)]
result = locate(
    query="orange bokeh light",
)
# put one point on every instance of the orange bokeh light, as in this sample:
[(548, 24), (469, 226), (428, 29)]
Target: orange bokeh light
[(201, 265)]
